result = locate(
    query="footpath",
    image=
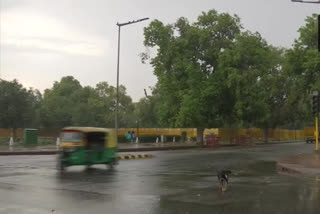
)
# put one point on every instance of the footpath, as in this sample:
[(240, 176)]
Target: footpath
[(122, 147), (125, 147), (304, 164)]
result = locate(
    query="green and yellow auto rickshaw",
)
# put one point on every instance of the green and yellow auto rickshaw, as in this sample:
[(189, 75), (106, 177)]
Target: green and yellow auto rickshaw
[(87, 146)]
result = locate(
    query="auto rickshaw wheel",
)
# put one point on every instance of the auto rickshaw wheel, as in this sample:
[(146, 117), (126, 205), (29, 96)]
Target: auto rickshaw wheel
[(61, 166), (112, 163), (88, 167)]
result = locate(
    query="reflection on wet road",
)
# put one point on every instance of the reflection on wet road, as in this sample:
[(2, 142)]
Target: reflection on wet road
[(171, 182)]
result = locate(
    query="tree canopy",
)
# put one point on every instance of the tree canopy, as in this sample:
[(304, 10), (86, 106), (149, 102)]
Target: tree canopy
[(211, 73), (17, 105), (185, 65), (302, 66), (68, 103)]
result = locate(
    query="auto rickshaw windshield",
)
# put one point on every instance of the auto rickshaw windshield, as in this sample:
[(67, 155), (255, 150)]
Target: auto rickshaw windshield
[(71, 136)]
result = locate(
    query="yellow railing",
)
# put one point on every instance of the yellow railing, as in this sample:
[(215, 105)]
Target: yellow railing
[(158, 131), (224, 133)]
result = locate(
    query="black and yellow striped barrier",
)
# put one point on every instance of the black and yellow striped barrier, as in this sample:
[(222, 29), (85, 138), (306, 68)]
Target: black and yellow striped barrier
[(126, 157)]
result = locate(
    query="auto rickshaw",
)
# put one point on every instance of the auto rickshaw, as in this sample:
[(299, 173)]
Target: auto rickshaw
[(87, 146)]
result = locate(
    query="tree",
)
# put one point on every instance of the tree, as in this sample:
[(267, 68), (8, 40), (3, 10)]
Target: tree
[(146, 111), (302, 65), (60, 102), (106, 104), (68, 103), (185, 65), (35, 100), (250, 70), (17, 105), (85, 113)]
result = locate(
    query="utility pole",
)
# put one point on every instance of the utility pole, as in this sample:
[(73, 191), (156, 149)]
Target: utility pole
[(118, 64), (319, 33), (315, 111), (307, 1)]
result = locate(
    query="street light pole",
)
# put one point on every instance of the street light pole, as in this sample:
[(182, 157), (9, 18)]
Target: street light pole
[(306, 1), (315, 111), (118, 65), (117, 95)]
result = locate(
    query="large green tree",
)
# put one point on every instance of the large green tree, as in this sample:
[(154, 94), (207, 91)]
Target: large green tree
[(68, 103), (250, 70), (18, 105), (302, 66), (185, 64), (105, 103), (146, 110), (60, 103)]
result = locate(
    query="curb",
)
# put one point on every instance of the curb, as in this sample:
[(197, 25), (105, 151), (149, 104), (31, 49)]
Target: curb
[(143, 149), (283, 168), (49, 152), (280, 142), (137, 156)]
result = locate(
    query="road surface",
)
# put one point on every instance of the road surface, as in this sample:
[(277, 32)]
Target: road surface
[(171, 182)]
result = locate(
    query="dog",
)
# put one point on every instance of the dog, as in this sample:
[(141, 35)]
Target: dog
[(223, 178)]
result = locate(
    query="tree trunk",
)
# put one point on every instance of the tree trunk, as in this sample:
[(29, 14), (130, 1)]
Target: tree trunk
[(265, 135), (200, 135)]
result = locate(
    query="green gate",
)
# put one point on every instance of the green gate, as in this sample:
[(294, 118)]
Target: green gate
[(30, 137)]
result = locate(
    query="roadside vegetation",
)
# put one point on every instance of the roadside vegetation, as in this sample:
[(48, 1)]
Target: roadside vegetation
[(211, 73)]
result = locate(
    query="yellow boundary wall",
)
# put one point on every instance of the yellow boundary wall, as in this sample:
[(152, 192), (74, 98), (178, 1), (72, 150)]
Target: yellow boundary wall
[(159, 131), (224, 133)]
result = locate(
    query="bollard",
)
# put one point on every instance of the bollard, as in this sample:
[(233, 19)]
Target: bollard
[(58, 142), (157, 140), (11, 144), (162, 138), (137, 140), (11, 141), (174, 139)]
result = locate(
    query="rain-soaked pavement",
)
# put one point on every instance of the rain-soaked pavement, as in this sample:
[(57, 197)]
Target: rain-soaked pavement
[(172, 182)]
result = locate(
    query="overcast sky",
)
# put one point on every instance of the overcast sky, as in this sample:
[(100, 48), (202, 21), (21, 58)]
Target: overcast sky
[(43, 40)]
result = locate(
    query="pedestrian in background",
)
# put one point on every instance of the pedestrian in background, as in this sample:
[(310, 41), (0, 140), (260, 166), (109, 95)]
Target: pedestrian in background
[(133, 135), (128, 135)]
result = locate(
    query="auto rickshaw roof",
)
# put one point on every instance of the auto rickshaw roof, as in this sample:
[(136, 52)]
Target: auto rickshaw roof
[(87, 129)]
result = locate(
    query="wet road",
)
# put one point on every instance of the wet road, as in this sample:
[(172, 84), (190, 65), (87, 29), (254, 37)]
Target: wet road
[(172, 182)]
